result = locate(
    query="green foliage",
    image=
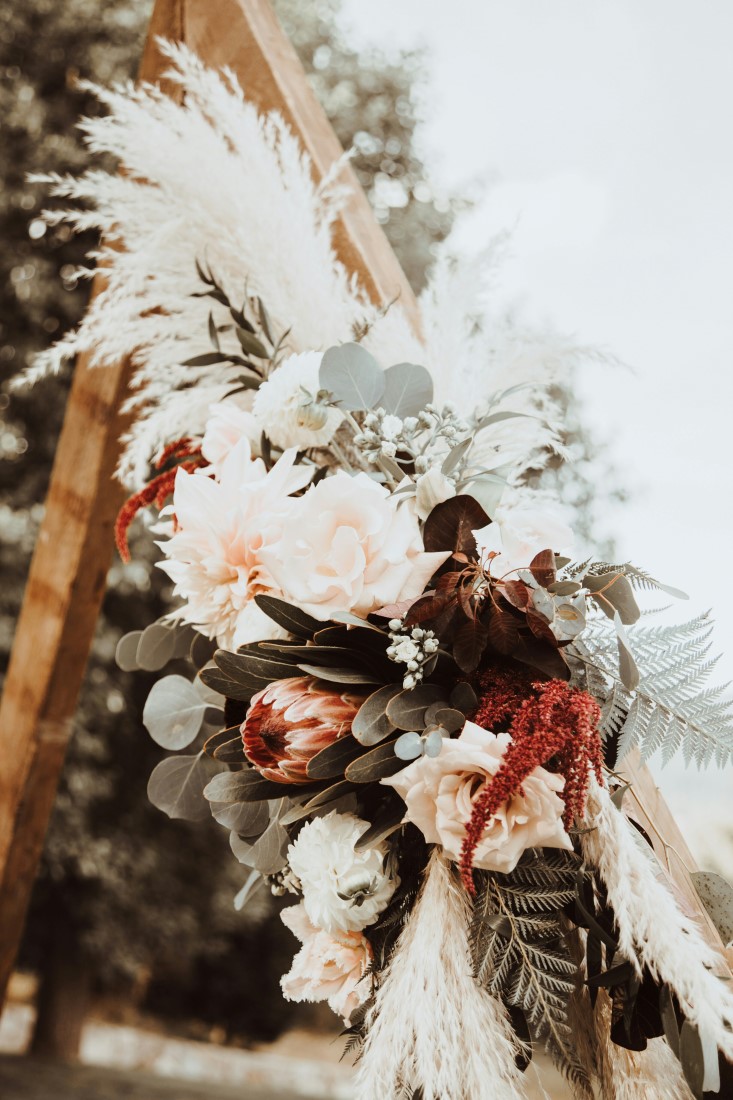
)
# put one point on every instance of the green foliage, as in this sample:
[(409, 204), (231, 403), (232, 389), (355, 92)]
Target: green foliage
[(519, 951), (671, 709)]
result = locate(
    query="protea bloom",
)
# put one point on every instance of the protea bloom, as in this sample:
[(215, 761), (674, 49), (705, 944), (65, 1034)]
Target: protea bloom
[(290, 721)]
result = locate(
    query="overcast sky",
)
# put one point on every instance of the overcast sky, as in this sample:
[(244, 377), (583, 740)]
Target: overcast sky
[(602, 131)]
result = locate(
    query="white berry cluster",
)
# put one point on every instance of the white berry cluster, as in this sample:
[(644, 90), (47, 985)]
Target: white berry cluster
[(412, 648), (426, 438)]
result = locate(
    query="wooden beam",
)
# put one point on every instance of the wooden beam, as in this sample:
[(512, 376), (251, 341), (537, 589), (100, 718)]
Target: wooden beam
[(68, 572), (69, 567)]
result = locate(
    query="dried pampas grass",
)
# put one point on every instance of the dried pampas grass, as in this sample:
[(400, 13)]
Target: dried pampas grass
[(652, 929), (432, 1026)]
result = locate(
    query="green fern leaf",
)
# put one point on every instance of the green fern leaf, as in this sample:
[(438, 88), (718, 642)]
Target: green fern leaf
[(672, 709), (519, 953)]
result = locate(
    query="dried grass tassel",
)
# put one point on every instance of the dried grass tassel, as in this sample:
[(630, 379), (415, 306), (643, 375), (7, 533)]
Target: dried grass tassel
[(432, 1026), (651, 1074), (652, 929)]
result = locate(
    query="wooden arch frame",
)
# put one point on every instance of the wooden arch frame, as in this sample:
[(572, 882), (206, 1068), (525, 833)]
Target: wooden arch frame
[(68, 572)]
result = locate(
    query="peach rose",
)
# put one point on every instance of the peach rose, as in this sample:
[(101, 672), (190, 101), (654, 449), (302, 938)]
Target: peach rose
[(328, 967), (440, 793), (349, 545)]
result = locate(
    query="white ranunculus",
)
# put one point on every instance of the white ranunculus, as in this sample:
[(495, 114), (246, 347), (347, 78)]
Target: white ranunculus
[(349, 545), (432, 488), (286, 406), (344, 890), (517, 534), (214, 556), (227, 425)]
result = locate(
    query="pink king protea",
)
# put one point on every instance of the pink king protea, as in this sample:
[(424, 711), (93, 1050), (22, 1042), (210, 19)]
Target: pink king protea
[(290, 721)]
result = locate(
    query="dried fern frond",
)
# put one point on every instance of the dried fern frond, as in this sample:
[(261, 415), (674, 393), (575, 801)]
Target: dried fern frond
[(671, 708), (519, 953)]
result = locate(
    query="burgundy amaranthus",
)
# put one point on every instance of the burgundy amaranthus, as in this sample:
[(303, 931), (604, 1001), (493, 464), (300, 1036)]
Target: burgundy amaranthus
[(187, 456), (548, 721)]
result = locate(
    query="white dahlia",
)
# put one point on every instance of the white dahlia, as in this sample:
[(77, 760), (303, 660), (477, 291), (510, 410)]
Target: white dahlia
[(222, 526), (344, 890), (228, 423), (288, 408), (350, 545)]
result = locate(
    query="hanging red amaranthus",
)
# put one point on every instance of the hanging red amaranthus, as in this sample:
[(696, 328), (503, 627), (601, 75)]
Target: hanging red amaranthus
[(547, 721), (187, 456)]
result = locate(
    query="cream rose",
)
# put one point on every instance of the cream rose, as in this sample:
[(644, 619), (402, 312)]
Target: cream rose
[(329, 966), (517, 534), (348, 545), (440, 792)]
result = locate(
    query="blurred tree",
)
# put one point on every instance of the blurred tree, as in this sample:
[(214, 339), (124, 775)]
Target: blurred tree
[(124, 896)]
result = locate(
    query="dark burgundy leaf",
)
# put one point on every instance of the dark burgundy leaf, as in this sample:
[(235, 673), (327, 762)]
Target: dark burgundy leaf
[(540, 627), (469, 644), (429, 607), (543, 568), (517, 592), (503, 631), (450, 525)]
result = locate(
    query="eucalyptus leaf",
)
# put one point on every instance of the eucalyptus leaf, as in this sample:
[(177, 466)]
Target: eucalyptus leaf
[(374, 765), (463, 697), (268, 854), (252, 886), (335, 758), (627, 666), (126, 652), (202, 650), (669, 1019), (613, 593), (288, 617), (338, 675), (156, 647), (176, 787), (244, 786), (245, 818), (716, 894), (352, 376), (692, 1058), (486, 490), (456, 455), (408, 388), (371, 724), (407, 710), (450, 718), (173, 712), (409, 746), (386, 823)]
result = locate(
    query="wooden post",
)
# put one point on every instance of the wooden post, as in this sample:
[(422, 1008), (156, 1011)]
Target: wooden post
[(68, 572)]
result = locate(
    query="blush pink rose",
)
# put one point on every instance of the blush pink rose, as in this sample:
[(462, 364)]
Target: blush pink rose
[(329, 966), (349, 545), (440, 792)]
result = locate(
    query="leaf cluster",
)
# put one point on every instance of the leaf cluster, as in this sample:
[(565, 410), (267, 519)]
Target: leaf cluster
[(519, 951), (671, 707)]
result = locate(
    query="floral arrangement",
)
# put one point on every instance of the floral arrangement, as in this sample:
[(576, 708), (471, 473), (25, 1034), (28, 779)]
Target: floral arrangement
[(409, 701)]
